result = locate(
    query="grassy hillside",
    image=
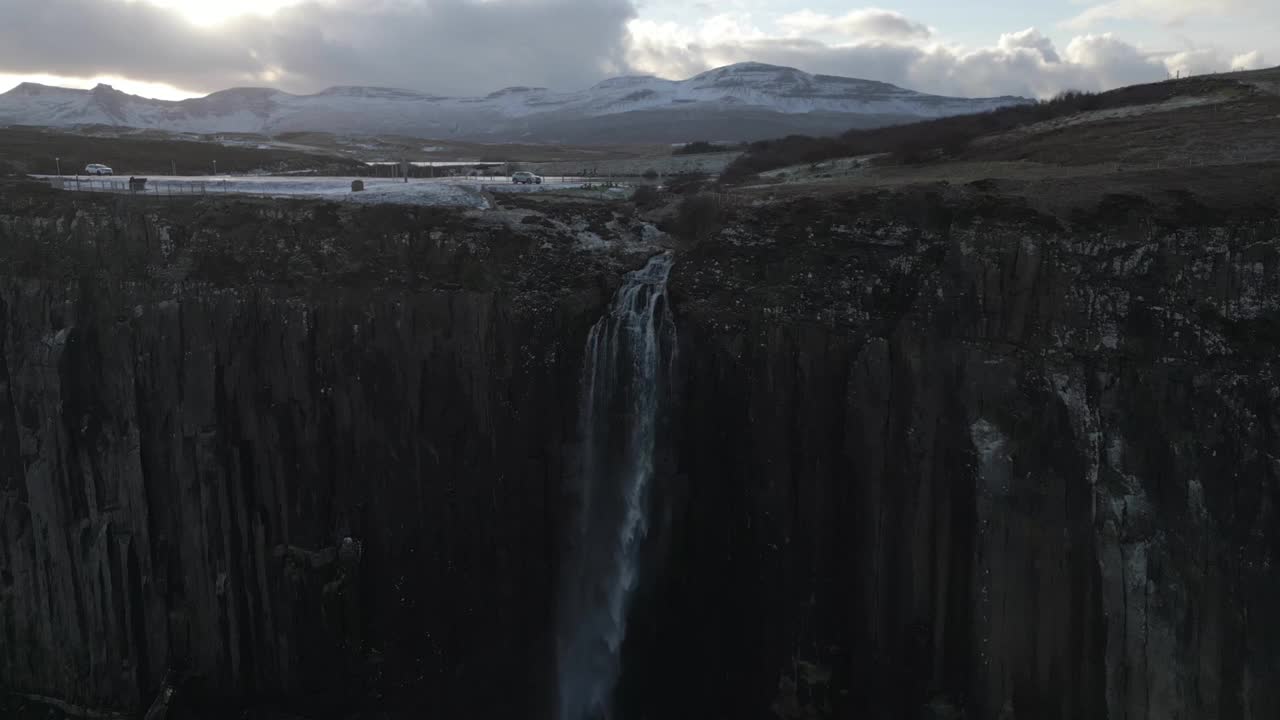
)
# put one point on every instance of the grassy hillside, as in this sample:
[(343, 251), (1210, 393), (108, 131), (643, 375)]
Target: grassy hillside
[(953, 137), (32, 150)]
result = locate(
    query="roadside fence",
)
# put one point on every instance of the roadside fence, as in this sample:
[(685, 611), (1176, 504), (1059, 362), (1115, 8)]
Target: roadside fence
[(163, 188)]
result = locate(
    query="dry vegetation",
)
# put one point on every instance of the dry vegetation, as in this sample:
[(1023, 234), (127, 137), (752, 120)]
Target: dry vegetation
[(33, 150), (396, 147), (702, 147), (697, 218), (951, 137)]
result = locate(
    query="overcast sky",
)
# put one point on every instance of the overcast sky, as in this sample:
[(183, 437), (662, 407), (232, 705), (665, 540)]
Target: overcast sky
[(181, 48)]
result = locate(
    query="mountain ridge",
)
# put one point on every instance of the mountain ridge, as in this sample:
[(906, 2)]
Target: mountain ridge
[(741, 95)]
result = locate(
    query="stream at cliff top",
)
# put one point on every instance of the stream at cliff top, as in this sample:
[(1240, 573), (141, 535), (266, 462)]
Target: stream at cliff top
[(625, 371)]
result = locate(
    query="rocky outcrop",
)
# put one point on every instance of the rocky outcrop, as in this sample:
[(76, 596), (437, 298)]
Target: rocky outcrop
[(933, 455)]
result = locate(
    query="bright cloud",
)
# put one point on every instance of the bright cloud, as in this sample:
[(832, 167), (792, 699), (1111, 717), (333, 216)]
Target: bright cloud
[(893, 48), (207, 12), (1248, 61), (858, 24), (1169, 12)]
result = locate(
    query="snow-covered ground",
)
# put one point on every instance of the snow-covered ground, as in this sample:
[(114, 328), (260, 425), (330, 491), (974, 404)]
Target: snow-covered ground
[(465, 192)]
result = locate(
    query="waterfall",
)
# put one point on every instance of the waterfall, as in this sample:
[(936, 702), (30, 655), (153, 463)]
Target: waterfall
[(623, 381)]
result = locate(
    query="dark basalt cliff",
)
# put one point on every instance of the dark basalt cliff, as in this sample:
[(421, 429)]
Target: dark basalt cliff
[(930, 454), (963, 455)]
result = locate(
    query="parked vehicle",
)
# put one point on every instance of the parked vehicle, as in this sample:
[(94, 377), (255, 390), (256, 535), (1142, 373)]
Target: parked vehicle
[(96, 169), (526, 178)]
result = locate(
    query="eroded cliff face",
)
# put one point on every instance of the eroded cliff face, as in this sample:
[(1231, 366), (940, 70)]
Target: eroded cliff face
[(930, 452), (183, 457), (989, 460)]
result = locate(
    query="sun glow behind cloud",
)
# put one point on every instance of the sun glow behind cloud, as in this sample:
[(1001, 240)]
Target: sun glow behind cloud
[(206, 13)]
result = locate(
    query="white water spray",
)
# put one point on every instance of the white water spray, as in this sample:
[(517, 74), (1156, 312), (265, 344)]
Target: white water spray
[(623, 381)]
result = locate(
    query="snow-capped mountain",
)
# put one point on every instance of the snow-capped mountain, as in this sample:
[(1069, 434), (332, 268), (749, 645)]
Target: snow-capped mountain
[(737, 102)]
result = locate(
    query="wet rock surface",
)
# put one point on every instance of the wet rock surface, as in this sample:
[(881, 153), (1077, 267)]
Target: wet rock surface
[(935, 454)]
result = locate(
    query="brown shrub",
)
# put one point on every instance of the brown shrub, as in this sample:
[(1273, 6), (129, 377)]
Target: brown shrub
[(687, 183), (646, 197), (697, 218), (699, 147)]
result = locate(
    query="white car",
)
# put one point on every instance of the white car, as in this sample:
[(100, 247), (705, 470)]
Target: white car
[(96, 169), (526, 178)]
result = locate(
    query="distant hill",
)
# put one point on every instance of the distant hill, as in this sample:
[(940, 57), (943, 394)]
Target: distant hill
[(747, 101)]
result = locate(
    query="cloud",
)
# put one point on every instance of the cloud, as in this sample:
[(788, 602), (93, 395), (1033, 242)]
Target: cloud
[(1022, 63), (1199, 61), (1248, 61), (1029, 39), (862, 24), (1111, 62), (446, 46), (466, 47), (133, 39), (1025, 63), (1167, 12)]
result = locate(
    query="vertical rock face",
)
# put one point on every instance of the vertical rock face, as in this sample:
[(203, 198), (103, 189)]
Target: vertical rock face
[(185, 479), (921, 456), (1003, 464), (331, 495)]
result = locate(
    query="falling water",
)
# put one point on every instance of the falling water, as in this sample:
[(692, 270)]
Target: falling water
[(623, 381)]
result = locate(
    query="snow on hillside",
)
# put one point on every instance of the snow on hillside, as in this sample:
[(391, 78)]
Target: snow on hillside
[(511, 112)]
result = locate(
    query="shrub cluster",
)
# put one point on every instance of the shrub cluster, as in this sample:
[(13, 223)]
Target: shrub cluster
[(697, 218), (699, 147)]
